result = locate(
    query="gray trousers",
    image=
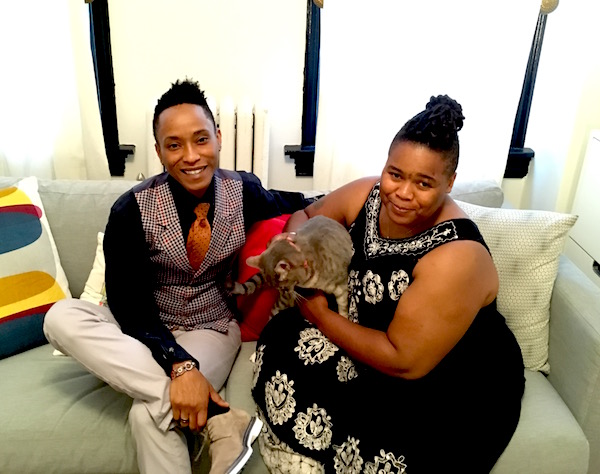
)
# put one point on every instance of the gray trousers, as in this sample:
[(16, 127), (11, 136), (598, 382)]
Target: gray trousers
[(91, 335)]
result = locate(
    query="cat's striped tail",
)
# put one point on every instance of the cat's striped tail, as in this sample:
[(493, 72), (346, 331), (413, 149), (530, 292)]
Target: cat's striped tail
[(250, 286)]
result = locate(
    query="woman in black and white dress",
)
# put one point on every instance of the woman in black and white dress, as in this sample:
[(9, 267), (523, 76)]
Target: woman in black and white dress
[(424, 376)]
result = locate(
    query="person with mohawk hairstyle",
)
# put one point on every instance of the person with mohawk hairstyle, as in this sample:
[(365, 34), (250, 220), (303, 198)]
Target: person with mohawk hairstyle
[(169, 335)]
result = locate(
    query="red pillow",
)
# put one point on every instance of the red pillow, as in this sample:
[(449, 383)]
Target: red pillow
[(256, 308)]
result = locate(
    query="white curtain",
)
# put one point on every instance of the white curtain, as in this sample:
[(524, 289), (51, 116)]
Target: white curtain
[(49, 117), (381, 61)]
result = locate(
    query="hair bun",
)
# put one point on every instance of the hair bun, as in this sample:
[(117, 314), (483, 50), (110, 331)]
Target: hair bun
[(446, 112), (437, 128)]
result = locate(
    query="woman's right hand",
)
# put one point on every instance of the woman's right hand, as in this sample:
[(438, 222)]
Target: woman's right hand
[(284, 235)]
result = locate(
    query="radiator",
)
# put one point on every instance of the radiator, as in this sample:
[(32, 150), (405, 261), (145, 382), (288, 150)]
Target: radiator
[(244, 138)]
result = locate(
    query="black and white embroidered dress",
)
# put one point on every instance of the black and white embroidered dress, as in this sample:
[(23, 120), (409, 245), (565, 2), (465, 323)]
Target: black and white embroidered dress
[(324, 412)]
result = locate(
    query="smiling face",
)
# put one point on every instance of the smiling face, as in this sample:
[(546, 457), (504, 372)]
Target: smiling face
[(188, 146), (414, 186)]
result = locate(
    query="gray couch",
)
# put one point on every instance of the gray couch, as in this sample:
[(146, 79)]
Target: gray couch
[(58, 418)]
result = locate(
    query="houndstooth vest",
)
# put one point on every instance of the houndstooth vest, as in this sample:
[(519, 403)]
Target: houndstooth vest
[(189, 299)]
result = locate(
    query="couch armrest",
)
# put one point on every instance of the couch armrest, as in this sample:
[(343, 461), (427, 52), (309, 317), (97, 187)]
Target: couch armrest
[(574, 352)]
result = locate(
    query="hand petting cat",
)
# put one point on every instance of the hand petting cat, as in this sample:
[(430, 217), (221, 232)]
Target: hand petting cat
[(284, 235)]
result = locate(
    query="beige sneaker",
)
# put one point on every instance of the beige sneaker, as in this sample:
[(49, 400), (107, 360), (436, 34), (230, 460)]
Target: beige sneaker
[(231, 436)]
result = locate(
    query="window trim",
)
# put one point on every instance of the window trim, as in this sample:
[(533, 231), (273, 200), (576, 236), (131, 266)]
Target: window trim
[(304, 154), (116, 154), (519, 157)]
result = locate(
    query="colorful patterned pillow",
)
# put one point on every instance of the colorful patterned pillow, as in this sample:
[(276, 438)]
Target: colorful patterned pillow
[(525, 246), (31, 277)]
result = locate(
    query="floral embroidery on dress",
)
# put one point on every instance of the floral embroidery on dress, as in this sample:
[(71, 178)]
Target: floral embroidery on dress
[(372, 287), (313, 428), (258, 360), (398, 284), (354, 292), (313, 347), (352, 311), (418, 245), (346, 370), (279, 457), (347, 459), (278, 397), (387, 463)]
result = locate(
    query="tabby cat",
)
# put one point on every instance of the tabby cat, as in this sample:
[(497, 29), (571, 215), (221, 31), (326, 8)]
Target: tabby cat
[(316, 257)]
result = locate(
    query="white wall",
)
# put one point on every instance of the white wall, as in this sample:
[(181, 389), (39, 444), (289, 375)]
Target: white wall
[(565, 107), (235, 48), (256, 49)]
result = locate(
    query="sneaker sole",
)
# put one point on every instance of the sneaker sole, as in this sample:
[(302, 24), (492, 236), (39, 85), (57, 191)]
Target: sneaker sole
[(250, 435)]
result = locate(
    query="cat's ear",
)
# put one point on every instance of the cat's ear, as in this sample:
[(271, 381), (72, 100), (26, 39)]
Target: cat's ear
[(253, 261), (282, 269)]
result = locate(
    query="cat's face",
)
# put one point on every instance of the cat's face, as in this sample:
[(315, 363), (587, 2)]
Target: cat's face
[(282, 264)]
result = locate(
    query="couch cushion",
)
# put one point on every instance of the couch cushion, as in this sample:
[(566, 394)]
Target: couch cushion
[(31, 275), (575, 350), (547, 439), (77, 211), (56, 417), (526, 247)]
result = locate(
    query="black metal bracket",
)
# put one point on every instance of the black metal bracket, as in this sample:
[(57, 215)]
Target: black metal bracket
[(518, 161), (303, 156), (126, 150)]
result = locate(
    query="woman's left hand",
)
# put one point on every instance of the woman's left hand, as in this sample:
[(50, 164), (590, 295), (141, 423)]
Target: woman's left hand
[(312, 304)]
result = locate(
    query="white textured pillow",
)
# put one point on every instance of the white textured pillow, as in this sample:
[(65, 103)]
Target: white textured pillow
[(525, 246), (94, 290)]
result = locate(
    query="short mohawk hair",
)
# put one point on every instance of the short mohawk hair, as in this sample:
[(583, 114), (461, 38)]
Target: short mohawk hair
[(182, 92)]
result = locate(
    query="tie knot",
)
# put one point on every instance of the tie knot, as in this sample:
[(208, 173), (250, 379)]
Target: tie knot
[(201, 210)]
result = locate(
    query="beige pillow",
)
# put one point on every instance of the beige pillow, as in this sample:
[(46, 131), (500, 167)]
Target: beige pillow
[(525, 246), (94, 290)]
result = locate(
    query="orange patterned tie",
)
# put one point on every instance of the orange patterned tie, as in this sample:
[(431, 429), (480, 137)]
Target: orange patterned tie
[(198, 239)]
